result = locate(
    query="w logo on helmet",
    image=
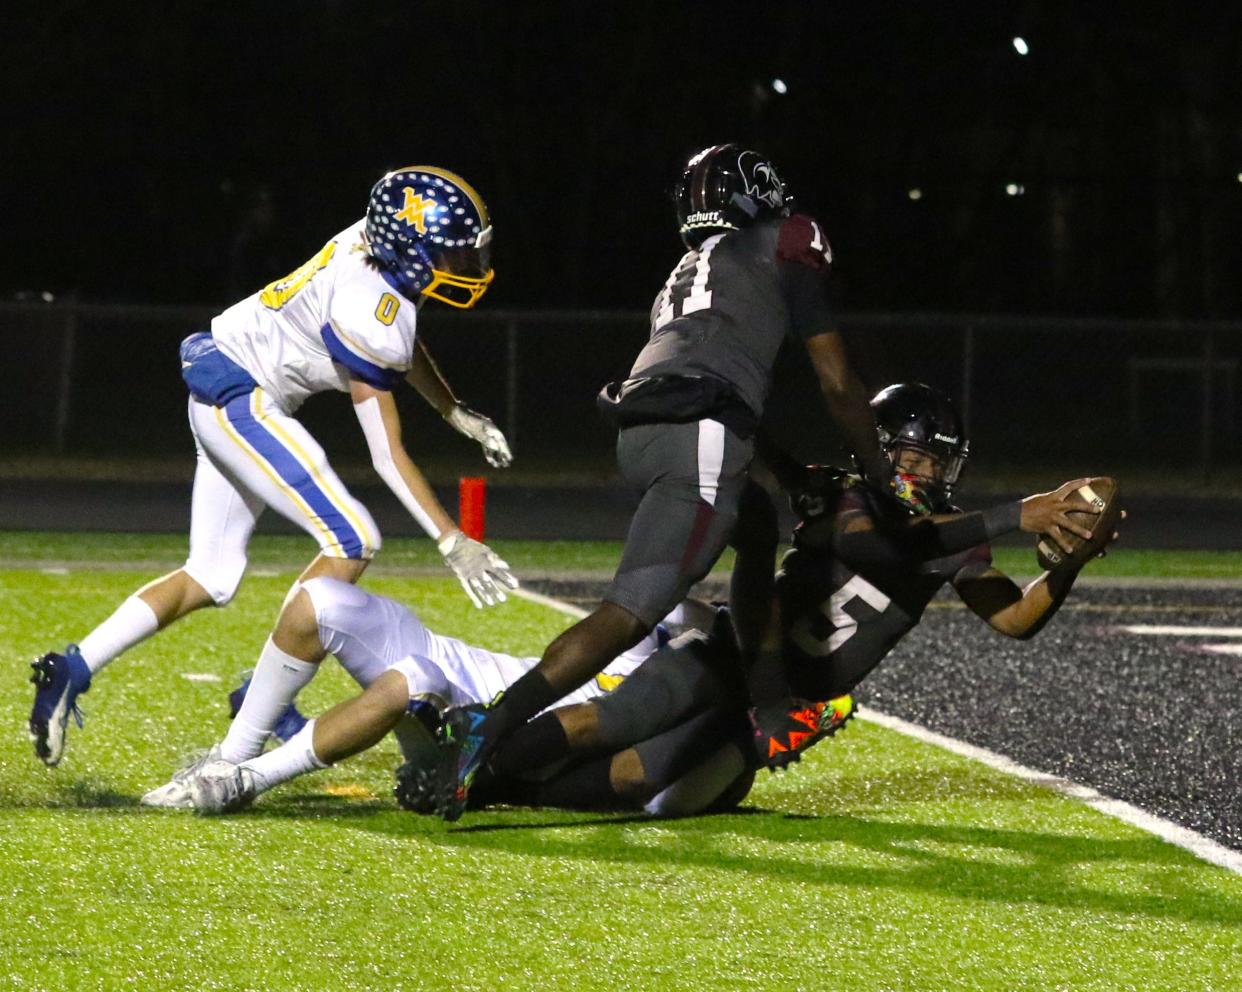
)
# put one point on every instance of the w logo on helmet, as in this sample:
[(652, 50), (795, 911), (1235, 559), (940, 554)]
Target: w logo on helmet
[(430, 230), (414, 210)]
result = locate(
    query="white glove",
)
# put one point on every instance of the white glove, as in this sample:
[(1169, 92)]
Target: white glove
[(481, 429), (481, 572)]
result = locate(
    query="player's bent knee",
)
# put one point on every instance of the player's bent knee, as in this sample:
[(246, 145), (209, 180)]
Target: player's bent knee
[(388, 698), (580, 722), (220, 578), (628, 778), (330, 597), (297, 616)]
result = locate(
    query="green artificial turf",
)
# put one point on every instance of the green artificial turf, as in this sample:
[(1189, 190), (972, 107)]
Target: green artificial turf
[(878, 863), (270, 551)]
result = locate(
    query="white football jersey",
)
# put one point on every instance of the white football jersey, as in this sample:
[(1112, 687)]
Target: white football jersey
[(371, 634), (332, 316), (472, 674)]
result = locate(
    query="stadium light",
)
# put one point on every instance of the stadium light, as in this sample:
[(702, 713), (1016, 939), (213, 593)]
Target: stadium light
[(915, 193), (1240, 177), (1015, 189), (779, 86), (1020, 46)]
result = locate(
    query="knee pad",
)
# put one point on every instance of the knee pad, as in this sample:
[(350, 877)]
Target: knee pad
[(220, 575), (328, 595), (425, 681)]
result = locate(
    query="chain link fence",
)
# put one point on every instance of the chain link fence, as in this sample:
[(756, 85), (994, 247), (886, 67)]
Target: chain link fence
[(102, 379)]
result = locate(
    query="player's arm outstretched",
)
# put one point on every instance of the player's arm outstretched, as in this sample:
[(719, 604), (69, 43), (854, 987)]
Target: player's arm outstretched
[(481, 572), (425, 376), (865, 538), (1022, 612)]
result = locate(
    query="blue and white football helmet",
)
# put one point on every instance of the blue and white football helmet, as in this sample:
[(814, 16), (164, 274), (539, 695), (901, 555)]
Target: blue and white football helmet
[(430, 230)]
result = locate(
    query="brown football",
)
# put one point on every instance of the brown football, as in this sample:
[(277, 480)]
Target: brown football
[(1101, 492)]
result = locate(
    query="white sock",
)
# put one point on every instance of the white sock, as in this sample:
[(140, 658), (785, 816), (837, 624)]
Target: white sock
[(133, 621), (278, 678), (293, 758)]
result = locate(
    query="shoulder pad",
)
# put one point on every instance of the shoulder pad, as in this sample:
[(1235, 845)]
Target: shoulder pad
[(821, 491), (373, 320), (802, 240)]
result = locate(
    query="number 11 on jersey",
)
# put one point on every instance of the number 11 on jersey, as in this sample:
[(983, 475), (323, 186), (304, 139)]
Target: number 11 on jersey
[(686, 290)]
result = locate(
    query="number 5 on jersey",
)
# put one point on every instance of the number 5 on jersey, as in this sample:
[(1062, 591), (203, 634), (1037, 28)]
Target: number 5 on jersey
[(844, 625)]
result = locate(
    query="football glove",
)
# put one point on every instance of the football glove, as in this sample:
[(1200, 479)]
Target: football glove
[(481, 572), (783, 731), (482, 429)]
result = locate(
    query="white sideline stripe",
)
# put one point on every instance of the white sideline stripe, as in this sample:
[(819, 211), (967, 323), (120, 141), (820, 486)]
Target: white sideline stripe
[(1198, 845), (577, 612), (200, 677), (1230, 649), (1172, 833), (1168, 630)]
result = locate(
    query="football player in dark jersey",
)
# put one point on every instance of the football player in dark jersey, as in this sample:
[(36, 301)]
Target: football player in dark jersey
[(753, 277), (861, 571)]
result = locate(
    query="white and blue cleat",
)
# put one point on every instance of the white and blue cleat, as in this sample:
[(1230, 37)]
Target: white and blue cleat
[(59, 679)]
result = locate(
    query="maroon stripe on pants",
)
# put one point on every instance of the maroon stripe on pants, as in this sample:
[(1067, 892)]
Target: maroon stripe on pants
[(698, 534)]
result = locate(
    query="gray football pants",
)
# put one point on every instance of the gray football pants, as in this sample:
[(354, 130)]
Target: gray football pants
[(690, 476)]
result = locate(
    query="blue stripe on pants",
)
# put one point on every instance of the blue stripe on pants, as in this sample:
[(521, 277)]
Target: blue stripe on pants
[(294, 474)]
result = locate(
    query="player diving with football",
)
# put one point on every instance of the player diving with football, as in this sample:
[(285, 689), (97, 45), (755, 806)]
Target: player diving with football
[(861, 571), (752, 277), (344, 321)]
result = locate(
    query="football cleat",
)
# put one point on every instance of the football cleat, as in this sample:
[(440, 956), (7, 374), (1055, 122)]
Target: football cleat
[(463, 747), (416, 788), (223, 787), (59, 679), (290, 722), (784, 731), (175, 793)]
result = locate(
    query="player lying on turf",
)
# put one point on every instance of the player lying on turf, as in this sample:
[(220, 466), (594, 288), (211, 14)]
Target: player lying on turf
[(862, 569), (403, 667), (344, 321)]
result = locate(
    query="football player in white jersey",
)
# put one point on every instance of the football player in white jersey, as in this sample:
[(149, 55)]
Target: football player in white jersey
[(404, 669), (344, 321)]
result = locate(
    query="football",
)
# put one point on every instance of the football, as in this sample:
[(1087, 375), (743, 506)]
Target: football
[(1102, 493)]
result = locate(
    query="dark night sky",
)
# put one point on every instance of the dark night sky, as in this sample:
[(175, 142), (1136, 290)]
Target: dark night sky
[(190, 152)]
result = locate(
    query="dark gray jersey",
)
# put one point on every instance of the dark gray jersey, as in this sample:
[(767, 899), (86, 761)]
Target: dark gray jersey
[(842, 617), (727, 307)]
